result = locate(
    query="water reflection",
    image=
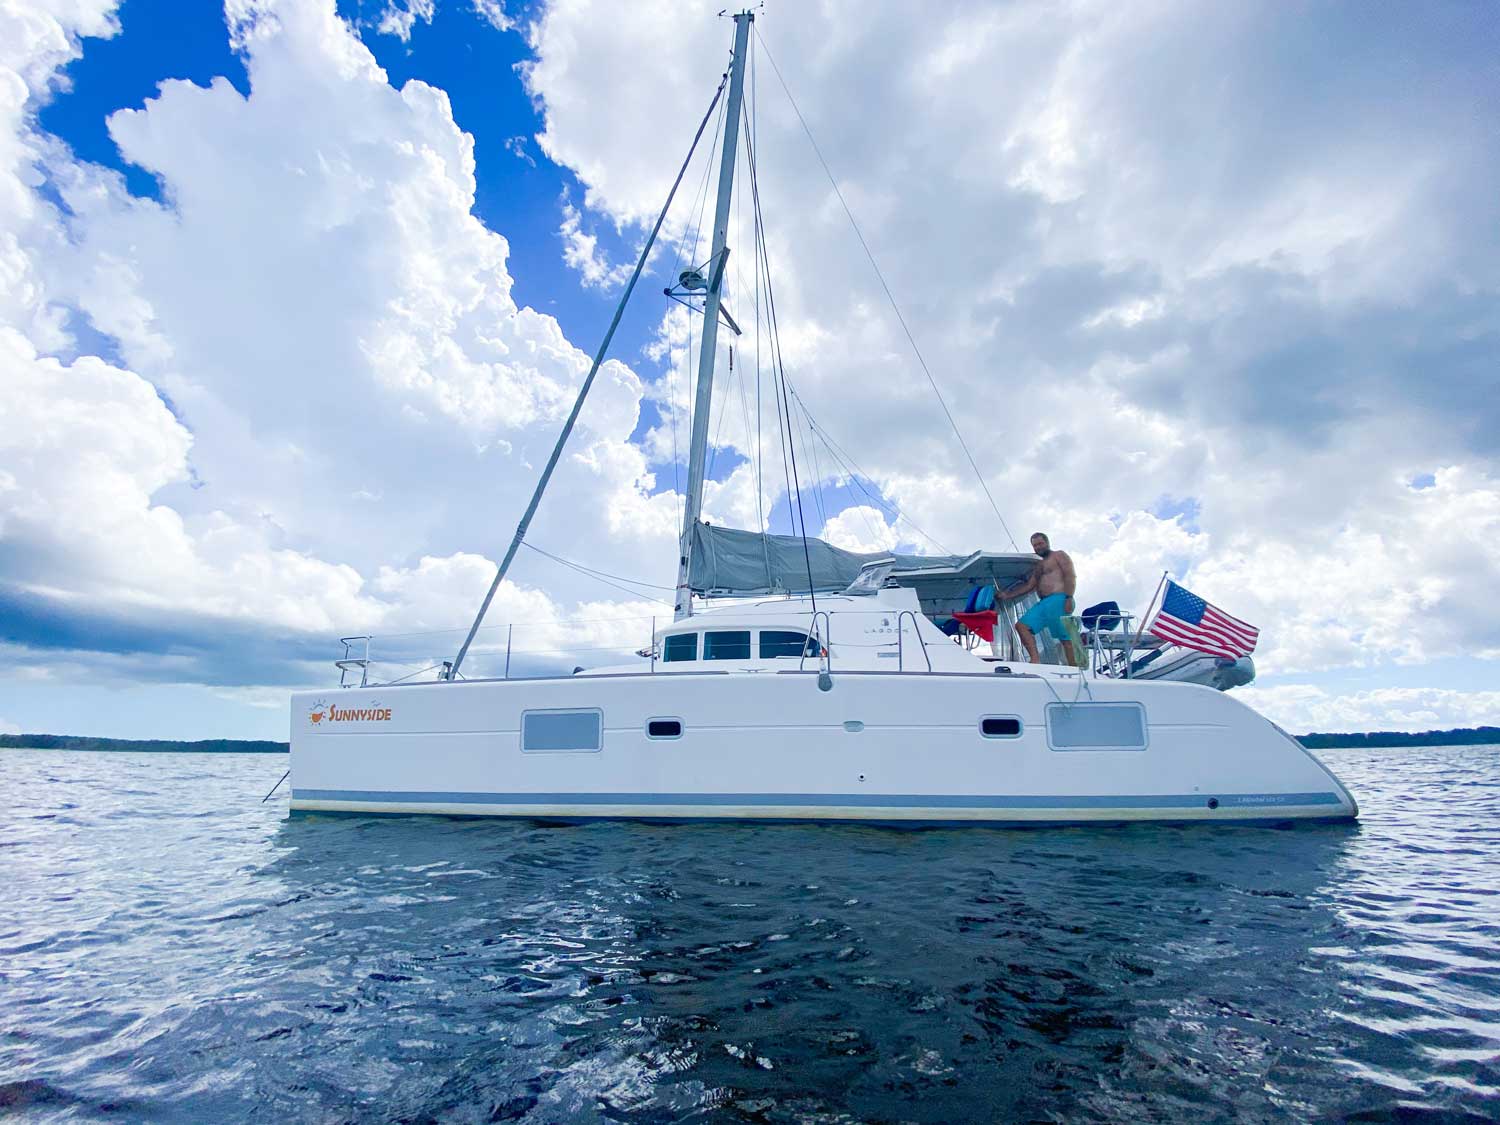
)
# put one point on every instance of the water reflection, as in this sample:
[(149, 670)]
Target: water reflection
[(794, 971)]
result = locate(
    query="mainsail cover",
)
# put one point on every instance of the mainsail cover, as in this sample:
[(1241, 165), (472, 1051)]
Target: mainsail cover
[(728, 562)]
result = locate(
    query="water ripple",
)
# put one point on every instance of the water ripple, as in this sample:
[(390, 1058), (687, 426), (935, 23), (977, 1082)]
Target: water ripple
[(172, 949)]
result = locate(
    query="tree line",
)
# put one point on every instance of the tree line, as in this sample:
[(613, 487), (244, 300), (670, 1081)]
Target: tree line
[(1462, 736), (144, 745)]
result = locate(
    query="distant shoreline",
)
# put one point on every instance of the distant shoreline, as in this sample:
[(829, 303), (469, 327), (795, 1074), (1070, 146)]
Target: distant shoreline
[(141, 746), (1462, 736)]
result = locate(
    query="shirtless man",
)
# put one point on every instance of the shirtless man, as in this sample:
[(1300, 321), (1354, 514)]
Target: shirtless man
[(1054, 581)]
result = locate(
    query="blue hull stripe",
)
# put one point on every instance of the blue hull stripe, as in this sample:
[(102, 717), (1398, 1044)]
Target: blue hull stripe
[(827, 800)]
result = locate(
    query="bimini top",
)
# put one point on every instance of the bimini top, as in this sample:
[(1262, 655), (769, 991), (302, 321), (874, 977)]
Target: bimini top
[(727, 562)]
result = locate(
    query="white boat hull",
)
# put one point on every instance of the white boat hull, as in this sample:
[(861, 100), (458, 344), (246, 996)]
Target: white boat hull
[(902, 748)]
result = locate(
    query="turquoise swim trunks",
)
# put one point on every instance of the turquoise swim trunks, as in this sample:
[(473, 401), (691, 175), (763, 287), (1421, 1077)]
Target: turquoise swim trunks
[(1047, 614)]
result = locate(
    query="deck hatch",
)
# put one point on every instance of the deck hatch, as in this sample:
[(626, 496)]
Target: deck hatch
[(1096, 726), (562, 732)]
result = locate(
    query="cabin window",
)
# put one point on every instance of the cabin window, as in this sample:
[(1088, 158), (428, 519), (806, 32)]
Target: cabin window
[(680, 646), (1000, 726), (561, 732), (774, 642), (1096, 726), (664, 728), (727, 645)]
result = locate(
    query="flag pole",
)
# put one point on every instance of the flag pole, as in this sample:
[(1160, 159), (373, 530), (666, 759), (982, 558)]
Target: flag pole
[(1139, 633)]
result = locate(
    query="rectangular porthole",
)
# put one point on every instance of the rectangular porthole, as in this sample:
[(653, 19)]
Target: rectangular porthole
[(727, 645), (1000, 726), (1096, 726), (562, 732), (778, 642), (664, 728)]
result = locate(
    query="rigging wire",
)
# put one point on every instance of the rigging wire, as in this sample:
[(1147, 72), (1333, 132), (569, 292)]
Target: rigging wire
[(779, 370), (614, 580), (889, 295), (752, 439), (760, 490), (854, 471), (572, 419), (715, 445), (695, 220), (762, 284), (817, 481)]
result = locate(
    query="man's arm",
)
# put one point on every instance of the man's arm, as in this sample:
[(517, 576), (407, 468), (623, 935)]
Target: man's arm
[(1010, 593), (1069, 578)]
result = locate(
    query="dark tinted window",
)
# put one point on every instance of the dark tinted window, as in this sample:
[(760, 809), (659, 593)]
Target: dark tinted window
[(726, 646), (1001, 727), (1096, 726), (560, 731), (776, 643), (680, 646), (664, 728)]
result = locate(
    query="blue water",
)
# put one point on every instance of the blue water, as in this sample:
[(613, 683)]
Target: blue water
[(172, 949)]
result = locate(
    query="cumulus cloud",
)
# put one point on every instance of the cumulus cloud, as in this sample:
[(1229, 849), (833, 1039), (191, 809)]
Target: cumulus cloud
[(581, 252), (860, 527), (400, 16), (320, 384)]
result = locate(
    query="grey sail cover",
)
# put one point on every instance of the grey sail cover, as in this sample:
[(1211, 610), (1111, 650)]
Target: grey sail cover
[(728, 562)]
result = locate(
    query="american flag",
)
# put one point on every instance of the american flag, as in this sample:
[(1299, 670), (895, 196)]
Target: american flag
[(1187, 620)]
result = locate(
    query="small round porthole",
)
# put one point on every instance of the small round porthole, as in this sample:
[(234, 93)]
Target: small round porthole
[(1213, 802), (664, 728)]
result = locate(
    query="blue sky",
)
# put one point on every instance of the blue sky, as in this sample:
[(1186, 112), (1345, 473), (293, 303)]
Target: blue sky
[(1201, 299)]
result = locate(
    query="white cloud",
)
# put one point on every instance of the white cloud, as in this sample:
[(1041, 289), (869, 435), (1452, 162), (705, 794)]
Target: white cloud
[(860, 528), (581, 252), (38, 38), (517, 146), (8, 727), (312, 315), (493, 13), (400, 16)]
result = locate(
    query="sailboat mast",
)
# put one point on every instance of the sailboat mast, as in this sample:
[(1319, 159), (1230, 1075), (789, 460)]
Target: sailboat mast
[(698, 451)]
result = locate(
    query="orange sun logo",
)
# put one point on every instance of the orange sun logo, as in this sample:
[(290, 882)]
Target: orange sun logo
[(318, 711)]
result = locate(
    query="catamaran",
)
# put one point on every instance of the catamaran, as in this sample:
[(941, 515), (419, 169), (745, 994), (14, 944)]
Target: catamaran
[(798, 681)]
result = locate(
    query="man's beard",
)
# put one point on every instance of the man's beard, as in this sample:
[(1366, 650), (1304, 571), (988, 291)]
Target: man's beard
[(1044, 552)]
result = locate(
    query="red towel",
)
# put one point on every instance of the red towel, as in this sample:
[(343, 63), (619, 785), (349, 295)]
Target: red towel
[(981, 623)]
